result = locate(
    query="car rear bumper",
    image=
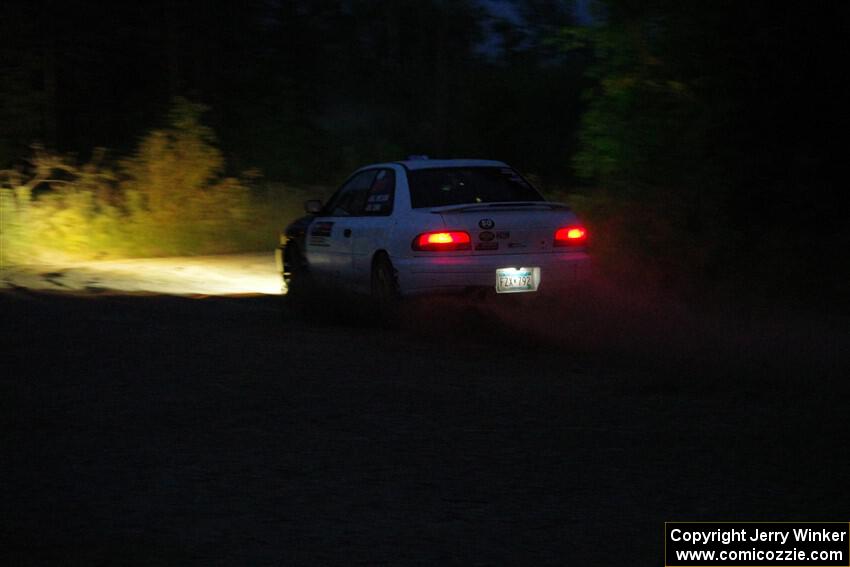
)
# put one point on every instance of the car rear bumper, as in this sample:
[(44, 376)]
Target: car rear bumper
[(452, 274)]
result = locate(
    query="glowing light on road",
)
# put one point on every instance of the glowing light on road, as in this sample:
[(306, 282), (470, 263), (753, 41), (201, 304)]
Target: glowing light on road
[(199, 275)]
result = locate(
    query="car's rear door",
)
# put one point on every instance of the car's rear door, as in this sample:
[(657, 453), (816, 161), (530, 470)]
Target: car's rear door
[(370, 228), (329, 243)]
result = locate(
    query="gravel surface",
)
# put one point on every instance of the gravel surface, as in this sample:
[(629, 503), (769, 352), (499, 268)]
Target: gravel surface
[(161, 430)]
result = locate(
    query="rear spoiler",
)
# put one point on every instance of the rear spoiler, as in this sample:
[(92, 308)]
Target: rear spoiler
[(500, 206)]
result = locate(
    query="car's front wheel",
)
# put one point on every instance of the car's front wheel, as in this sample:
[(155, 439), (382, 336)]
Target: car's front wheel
[(296, 276)]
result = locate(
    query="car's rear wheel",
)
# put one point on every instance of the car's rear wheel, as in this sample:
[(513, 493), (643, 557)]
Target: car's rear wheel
[(385, 293)]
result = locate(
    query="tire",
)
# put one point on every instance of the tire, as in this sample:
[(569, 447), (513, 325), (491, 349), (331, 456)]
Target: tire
[(385, 293), (296, 276)]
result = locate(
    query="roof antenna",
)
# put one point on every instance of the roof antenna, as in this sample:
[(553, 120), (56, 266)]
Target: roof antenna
[(417, 157)]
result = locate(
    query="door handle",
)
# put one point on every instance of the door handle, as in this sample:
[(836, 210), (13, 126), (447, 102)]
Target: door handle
[(347, 232)]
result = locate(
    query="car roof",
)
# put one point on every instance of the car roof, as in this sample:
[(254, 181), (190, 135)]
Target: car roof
[(413, 164)]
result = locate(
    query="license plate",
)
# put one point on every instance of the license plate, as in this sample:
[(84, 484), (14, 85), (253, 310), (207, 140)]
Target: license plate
[(517, 280)]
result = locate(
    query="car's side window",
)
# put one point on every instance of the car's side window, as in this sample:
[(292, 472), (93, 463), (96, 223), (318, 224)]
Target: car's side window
[(351, 197), (379, 200)]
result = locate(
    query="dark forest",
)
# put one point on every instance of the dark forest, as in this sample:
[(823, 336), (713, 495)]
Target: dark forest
[(701, 139)]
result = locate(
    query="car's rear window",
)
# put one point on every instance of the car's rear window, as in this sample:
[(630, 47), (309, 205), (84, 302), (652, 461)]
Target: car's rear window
[(438, 187)]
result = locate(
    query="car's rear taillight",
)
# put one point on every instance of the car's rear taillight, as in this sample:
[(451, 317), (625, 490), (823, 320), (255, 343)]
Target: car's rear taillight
[(571, 236), (442, 241)]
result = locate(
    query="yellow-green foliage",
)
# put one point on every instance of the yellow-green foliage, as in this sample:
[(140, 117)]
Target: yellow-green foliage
[(169, 198)]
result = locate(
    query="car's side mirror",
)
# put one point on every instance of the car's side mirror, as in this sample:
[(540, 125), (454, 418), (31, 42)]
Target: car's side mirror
[(313, 206)]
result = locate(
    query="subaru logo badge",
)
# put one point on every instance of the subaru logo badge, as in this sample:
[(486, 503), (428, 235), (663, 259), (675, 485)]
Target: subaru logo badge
[(486, 224)]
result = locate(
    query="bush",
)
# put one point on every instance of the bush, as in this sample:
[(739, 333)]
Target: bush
[(169, 198)]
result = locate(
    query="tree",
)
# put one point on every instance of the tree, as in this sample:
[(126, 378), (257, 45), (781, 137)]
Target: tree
[(710, 119)]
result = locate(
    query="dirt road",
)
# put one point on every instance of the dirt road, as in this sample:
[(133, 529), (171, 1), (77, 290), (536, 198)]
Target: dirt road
[(160, 430)]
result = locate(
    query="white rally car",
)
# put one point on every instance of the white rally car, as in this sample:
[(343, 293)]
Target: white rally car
[(425, 226)]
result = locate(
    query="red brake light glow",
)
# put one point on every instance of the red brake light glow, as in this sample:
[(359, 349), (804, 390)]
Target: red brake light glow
[(570, 236), (442, 241)]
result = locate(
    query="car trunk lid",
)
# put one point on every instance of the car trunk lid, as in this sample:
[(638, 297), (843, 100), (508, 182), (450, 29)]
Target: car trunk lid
[(508, 228)]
